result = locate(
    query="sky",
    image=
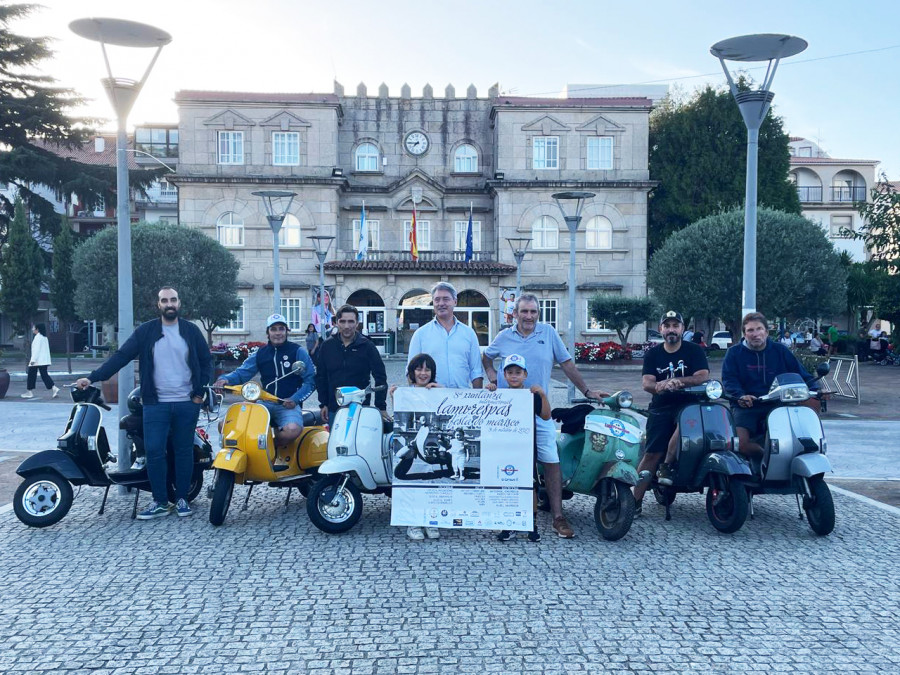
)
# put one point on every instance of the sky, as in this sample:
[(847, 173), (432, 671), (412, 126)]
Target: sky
[(840, 92)]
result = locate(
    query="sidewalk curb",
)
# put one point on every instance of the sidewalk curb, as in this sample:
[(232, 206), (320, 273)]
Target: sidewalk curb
[(865, 500)]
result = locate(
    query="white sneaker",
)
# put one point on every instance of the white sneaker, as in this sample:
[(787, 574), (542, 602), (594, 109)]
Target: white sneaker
[(28, 394), (139, 464), (55, 392), (415, 533), (432, 533)]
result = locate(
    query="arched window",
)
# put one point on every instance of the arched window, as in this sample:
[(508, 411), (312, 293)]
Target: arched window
[(230, 229), (545, 233), (365, 298), (466, 159), (290, 232), (598, 233), (367, 157)]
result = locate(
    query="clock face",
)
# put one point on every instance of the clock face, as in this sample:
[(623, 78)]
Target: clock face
[(416, 143)]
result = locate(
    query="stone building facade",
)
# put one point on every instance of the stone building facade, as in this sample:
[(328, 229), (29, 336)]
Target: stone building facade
[(498, 159)]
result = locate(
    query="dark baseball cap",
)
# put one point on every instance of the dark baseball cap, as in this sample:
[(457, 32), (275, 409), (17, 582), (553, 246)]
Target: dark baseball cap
[(671, 315)]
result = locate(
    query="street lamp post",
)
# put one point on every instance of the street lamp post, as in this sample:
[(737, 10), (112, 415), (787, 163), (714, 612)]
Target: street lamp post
[(754, 105), (519, 246), (122, 94), (322, 243), (276, 210), (572, 222)]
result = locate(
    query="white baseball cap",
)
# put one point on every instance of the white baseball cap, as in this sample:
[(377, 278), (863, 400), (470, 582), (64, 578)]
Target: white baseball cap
[(515, 360), (276, 318)]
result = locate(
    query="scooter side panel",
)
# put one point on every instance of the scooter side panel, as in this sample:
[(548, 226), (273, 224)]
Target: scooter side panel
[(611, 439), (352, 464), (810, 464), (785, 425), (54, 460), (313, 447)]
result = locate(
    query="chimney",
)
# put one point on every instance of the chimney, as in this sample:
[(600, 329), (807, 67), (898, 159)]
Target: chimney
[(99, 144)]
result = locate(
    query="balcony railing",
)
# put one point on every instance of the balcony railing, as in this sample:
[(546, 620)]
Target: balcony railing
[(848, 194), (425, 256), (809, 193)]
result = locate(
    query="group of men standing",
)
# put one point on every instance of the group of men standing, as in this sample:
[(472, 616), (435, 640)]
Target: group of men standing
[(176, 366)]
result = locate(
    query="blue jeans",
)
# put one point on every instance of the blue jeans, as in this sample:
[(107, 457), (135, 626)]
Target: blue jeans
[(179, 419)]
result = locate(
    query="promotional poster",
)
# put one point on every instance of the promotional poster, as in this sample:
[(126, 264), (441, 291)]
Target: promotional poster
[(463, 458)]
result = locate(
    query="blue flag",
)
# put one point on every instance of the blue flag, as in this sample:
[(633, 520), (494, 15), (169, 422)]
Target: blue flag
[(469, 239), (363, 235)]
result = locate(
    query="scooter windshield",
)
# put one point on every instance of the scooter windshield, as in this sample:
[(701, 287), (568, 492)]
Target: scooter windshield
[(787, 379)]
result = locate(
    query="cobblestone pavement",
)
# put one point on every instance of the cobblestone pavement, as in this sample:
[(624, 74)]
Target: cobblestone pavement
[(268, 592)]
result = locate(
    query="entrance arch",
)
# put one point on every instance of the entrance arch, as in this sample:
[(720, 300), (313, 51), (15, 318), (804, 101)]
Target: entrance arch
[(414, 311), (472, 309), (370, 312)]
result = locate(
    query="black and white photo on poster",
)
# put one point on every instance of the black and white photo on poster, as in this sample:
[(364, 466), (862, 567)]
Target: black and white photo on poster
[(462, 458)]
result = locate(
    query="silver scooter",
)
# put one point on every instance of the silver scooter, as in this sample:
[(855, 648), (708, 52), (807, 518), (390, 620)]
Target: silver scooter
[(794, 447)]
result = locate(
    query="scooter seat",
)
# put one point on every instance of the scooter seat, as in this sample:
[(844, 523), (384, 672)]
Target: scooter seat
[(312, 418)]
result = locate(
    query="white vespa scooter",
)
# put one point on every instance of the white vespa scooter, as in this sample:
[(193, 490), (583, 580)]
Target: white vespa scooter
[(359, 460), (794, 460)]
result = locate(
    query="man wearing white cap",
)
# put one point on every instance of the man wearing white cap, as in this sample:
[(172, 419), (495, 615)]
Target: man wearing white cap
[(275, 364)]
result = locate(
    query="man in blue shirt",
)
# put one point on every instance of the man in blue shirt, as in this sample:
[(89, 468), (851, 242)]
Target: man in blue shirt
[(452, 344), (540, 345), (275, 361)]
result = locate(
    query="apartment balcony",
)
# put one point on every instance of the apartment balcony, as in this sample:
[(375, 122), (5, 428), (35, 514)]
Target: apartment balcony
[(848, 195), (157, 197), (809, 194)]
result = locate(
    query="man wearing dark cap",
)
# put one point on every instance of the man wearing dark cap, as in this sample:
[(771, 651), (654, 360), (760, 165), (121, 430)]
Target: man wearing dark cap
[(668, 367)]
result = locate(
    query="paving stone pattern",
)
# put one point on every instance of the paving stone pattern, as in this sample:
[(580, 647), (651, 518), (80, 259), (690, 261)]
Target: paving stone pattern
[(267, 592)]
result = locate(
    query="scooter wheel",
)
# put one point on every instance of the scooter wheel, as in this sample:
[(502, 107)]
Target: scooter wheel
[(43, 499), (223, 488), (727, 505), (819, 509), (333, 509), (614, 510)]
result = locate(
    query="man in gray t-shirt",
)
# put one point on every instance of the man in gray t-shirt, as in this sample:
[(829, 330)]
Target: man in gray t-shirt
[(175, 366)]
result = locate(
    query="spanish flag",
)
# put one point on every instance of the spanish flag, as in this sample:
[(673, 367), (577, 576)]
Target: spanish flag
[(413, 245)]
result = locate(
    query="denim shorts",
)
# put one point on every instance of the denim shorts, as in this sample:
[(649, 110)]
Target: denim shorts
[(545, 435), (281, 416)]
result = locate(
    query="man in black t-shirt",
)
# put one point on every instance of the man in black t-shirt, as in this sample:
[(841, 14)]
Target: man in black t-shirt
[(668, 367)]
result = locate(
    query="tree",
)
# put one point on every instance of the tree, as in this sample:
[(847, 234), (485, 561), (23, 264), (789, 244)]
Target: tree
[(203, 271), (63, 284), (21, 270), (881, 226), (34, 122), (623, 314), (699, 270), (698, 153), (863, 283)]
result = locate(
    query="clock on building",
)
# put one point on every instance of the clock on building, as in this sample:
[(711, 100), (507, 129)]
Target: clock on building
[(416, 143)]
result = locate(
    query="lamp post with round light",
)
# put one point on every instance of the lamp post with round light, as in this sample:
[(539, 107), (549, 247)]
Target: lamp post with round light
[(122, 94), (277, 204), (754, 105), (572, 222), (519, 246)]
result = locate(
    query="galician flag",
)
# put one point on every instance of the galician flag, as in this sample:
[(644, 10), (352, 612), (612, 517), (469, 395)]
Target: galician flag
[(363, 235), (413, 244), (469, 237)]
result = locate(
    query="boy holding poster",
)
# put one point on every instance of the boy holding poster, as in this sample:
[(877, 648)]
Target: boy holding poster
[(514, 372)]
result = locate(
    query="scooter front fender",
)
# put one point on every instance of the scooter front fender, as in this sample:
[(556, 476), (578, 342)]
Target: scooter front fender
[(350, 464), (56, 461), (726, 463), (231, 459), (620, 471), (810, 464)]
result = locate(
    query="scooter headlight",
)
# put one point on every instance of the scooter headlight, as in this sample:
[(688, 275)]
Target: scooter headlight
[(798, 393), (339, 397), (713, 390), (251, 391), (624, 399)]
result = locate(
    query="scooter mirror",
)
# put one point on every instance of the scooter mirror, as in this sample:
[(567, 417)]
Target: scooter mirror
[(823, 369)]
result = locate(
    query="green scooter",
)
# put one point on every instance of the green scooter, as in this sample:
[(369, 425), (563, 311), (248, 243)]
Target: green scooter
[(599, 450)]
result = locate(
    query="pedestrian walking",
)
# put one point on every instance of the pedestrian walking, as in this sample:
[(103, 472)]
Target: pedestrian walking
[(40, 361)]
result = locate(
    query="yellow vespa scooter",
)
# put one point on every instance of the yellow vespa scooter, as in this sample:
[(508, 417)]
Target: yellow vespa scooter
[(249, 457)]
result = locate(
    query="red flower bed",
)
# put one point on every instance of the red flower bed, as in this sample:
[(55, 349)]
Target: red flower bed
[(593, 352)]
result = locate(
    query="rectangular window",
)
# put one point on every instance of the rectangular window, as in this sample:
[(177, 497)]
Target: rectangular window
[(159, 142), (290, 309), (286, 148), (374, 228), (545, 152), (839, 223), (548, 311), (237, 322), (593, 324), (600, 152), (423, 234), (230, 147), (460, 229)]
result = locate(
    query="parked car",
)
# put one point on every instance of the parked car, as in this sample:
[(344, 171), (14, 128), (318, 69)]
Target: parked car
[(721, 339), (655, 337)]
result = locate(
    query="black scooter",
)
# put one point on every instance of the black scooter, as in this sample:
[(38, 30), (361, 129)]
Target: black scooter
[(708, 459), (83, 457)]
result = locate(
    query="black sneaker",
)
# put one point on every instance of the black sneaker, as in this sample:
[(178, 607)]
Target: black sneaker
[(534, 535), (664, 474), (506, 535)]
